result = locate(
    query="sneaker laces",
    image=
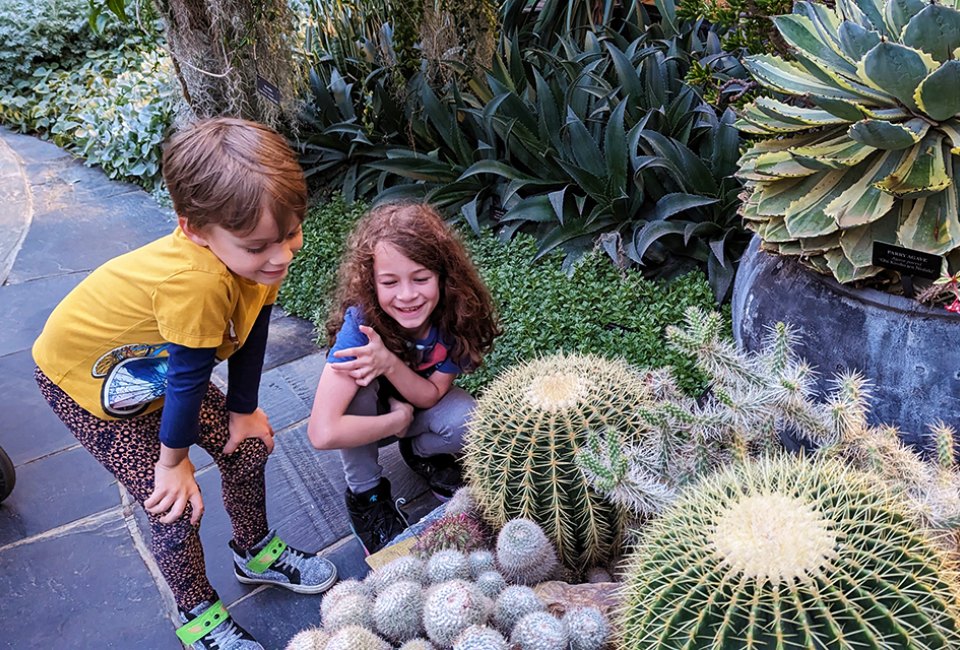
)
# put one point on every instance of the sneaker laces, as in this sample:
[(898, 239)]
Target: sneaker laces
[(292, 558), (225, 634)]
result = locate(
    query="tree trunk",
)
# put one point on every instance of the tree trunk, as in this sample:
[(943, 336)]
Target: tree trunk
[(224, 49)]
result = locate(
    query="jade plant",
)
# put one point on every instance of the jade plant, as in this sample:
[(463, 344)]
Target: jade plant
[(521, 445), (788, 553), (864, 148)]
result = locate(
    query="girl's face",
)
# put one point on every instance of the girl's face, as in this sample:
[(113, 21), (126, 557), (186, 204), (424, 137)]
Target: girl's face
[(406, 291)]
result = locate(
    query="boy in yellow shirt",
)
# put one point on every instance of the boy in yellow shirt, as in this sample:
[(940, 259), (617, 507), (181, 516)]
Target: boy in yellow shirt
[(125, 362)]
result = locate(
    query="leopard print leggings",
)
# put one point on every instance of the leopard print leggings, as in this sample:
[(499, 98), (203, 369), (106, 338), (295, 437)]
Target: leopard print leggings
[(130, 449)]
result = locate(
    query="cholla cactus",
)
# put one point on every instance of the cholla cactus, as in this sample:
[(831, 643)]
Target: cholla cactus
[(349, 609), (524, 554), (754, 398), (398, 611), (785, 552), (513, 603), (313, 638), (459, 532), (356, 638), (450, 608), (480, 561), (447, 565), (540, 631), (588, 628), (480, 637), (491, 583), (524, 434), (406, 567)]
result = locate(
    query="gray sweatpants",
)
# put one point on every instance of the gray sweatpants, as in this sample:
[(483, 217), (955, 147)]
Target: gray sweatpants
[(436, 430)]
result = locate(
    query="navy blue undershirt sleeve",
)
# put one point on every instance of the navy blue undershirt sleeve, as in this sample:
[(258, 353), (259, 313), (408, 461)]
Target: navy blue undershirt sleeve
[(188, 375), (246, 366)]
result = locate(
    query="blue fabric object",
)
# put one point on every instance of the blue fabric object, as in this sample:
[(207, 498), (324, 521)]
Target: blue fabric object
[(433, 350), (246, 365), (188, 375)]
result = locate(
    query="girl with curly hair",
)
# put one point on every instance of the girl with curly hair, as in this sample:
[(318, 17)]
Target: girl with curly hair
[(412, 313)]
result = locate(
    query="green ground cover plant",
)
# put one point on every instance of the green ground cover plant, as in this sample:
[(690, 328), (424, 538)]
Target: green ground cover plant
[(598, 309), (108, 95)]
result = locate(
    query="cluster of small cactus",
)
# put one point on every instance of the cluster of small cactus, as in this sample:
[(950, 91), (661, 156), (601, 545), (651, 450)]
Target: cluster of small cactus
[(522, 441), (459, 532), (457, 600), (789, 552)]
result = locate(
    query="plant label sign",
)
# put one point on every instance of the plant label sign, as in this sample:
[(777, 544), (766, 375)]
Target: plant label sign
[(268, 90), (906, 260)]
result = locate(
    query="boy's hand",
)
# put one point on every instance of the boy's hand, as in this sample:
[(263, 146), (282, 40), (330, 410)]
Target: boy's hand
[(174, 486), (406, 412), (249, 425), (372, 359)]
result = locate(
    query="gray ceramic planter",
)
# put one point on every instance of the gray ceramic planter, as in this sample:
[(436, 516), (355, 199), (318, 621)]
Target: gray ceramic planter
[(910, 352)]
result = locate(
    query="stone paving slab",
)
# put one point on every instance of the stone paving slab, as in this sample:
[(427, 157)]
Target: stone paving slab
[(17, 205), (24, 309), (56, 490), (30, 430), (79, 589)]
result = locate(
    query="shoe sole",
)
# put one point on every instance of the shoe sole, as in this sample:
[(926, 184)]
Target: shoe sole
[(300, 589)]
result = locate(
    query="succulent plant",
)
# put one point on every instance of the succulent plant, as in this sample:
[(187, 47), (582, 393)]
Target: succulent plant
[(588, 628), (349, 609), (354, 637), (406, 567), (313, 638), (540, 631), (524, 554), (513, 603), (480, 562), (450, 608), (447, 565), (418, 644), (491, 583), (461, 503), (480, 637), (342, 588), (597, 574), (785, 552), (870, 153), (398, 611), (522, 439), (460, 532)]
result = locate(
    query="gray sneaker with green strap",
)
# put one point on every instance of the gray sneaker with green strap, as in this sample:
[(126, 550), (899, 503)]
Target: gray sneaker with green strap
[(208, 626), (273, 562)]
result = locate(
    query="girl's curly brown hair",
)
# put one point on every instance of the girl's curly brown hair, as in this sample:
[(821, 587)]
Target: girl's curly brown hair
[(464, 312)]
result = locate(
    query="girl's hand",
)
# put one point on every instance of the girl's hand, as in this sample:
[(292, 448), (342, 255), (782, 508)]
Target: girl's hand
[(372, 359), (173, 488), (249, 425), (406, 413)]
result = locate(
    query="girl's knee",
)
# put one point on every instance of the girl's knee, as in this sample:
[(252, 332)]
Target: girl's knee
[(249, 459)]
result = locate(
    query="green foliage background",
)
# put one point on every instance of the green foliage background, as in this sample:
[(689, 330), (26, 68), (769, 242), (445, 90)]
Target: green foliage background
[(598, 309)]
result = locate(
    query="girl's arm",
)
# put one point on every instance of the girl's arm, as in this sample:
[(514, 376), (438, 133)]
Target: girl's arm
[(374, 360), (330, 427)]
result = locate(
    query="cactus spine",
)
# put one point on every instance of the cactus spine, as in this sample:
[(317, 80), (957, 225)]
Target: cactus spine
[(418, 644), (460, 532), (480, 562), (588, 628), (447, 565), (450, 608), (398, 611), (788, 553), (522, 439), (312, 638), (512, 604), (524, 554), (349, 609), (407, 568), (491, 583), (341, 589), (356, 638), (479, 637), (540, 631)]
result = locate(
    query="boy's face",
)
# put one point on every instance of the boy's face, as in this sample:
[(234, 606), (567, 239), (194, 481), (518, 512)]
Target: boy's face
[(262, 255)]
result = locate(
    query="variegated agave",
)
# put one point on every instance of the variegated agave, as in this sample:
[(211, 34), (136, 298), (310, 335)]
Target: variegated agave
[(869, 153)]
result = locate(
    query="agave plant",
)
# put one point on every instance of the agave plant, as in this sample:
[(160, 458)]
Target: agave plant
[(869, 152)]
